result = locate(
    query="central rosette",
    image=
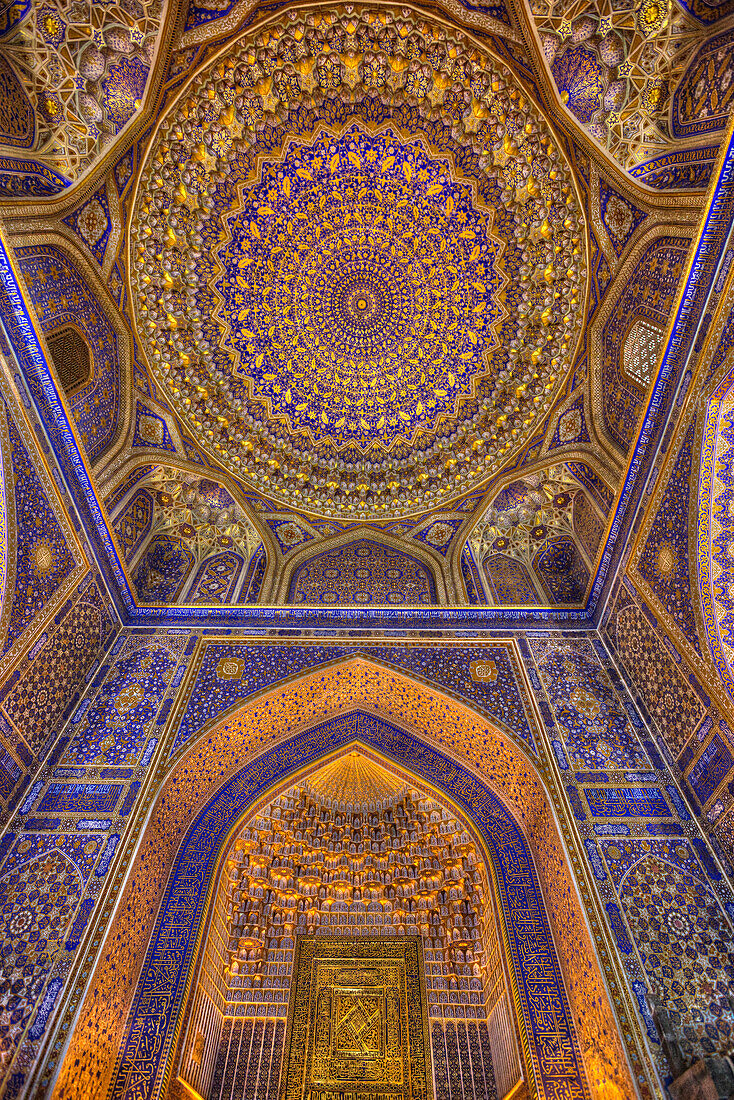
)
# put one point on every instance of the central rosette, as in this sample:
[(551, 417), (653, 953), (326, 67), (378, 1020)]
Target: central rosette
[(359, 301), (360, 287)]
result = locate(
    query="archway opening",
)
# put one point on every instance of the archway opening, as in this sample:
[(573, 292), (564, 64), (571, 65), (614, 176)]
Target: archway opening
[(356, 853)]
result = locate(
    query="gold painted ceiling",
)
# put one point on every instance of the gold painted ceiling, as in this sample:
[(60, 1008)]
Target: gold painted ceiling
[(326, 299), (379, 281)]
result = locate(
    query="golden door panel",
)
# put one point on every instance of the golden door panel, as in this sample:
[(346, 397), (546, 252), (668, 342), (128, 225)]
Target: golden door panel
[(357, 1021)]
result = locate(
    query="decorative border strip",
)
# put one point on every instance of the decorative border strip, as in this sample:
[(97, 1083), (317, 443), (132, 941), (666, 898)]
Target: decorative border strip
[(704, 537)]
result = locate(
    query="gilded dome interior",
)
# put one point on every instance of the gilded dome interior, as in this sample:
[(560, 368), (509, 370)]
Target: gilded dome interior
[(392, 286), (361, 303), (366, 549)]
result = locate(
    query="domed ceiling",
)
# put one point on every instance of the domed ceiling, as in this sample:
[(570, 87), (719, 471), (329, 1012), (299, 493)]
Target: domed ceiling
[(358, 262)]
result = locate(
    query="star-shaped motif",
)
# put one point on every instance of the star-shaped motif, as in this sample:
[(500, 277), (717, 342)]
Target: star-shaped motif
[(436, 94), (499, 156), (396, 80), (270, 100)]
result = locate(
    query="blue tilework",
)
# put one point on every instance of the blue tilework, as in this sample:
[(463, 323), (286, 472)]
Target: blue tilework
[(627, 802), (82, 851), (580, 435), (594, 724), (361, 573), (439, 533), (263, 666), (60, 295), (618, 235), (43, 558), (618, 927), (681, 168), (710, 769), (596, 485), (541, 990), (126, 485), (669, 537), (649, 292), (80, 798), (288, 533), (81, 221), (153, 431), (40, 890), (682, 935), (52, 682), (115, 728), (702, 100)]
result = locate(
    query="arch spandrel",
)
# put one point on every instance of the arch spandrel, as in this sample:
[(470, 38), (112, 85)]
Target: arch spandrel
[(472, 752)]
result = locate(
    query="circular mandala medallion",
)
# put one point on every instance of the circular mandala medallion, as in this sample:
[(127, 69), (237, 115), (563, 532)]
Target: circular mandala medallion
[(361, 286)]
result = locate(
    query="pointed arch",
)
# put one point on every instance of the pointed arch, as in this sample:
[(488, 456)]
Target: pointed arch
[(209, 789), (420, 552)]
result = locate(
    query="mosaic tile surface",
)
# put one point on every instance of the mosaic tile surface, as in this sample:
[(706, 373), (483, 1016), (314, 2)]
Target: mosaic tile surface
[(230, 672), (60, 294), (114, 730)]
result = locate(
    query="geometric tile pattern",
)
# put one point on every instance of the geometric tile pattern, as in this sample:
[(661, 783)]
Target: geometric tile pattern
[(362, 573), (682, 935), (161, 573), (125, 486), (674, 706), (115, 728), (151, 430), (60, 295), (702, 100), (43, 558), (542, 996), (563, 570), (92, 222), (36, 702), (509, 581), (229, 672), (664, 560), (648, 292), (17, 122), (215, 581), (710, 769), (715, 521), (37, 904), (620, 217), (134, 523), (595, 727), (586, 524)]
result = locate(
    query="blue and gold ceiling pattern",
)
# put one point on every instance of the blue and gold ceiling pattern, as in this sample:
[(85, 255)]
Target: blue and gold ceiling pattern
[(363, 260), (327, 291), (369, 291)]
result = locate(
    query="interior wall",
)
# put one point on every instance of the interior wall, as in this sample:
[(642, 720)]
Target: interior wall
[(378, 877), (156, 691), (669, 607), (490, 754), (57, 619)]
